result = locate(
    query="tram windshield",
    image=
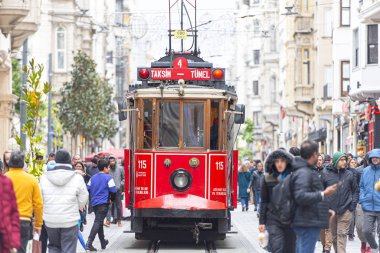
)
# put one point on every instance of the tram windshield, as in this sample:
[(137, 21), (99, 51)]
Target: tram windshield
[(193, 122), (181, 124), (168, 129)]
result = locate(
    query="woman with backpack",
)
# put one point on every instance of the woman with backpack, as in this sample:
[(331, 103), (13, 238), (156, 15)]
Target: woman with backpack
[(282, 238)]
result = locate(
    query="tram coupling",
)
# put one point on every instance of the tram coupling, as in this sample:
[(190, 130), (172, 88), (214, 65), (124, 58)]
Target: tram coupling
[(196, 229)]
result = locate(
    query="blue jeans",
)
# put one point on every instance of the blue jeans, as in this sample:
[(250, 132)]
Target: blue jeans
[(258, 200), (306, 239), (244, 202)]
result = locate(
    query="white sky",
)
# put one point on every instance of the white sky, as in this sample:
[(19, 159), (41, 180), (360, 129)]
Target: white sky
[(150, 24)]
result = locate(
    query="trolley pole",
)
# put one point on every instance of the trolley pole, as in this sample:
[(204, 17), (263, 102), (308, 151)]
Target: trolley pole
[(22, 101)]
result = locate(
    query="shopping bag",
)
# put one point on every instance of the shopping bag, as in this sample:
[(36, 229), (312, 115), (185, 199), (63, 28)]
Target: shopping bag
[(36, 248)]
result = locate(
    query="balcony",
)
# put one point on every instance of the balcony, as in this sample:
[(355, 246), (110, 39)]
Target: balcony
[(304, 24), (11, 13), (27, 26), (370, 11), (365, 83), (304, 94)]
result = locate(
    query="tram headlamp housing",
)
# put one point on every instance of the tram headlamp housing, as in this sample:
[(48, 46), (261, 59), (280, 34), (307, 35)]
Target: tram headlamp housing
[(180, 180)]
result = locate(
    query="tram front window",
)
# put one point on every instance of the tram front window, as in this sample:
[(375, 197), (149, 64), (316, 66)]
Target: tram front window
[(193, 124), (168, 127), (148, 120), (214, 130)]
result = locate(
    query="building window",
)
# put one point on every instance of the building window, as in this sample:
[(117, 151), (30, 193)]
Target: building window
[(273, 87), (356, 48), (256, 118), (345, 77), (372, 47), (328, 22), (256, 27), (305, 6), (328, 82), (60, 49), (305, 66), (256, 57), (273, 41), (255, 88), (345, 12)]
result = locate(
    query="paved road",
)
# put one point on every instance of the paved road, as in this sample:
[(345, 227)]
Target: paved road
[(245, 223)]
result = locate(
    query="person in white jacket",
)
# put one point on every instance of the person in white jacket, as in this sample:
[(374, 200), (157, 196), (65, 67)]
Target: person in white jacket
[(64, 194)]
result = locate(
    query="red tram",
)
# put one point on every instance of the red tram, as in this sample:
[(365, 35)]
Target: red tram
[(181, 169)]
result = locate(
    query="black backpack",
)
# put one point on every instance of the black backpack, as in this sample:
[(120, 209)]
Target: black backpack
[(282, 200)]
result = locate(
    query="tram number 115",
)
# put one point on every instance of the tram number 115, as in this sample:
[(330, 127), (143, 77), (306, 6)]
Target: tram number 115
[(219, 165), (142, 164)]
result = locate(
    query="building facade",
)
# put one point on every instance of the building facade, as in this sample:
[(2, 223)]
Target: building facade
[(364, 87), (18, 20)]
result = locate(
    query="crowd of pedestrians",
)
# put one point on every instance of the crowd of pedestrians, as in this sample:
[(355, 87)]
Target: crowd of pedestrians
[(52, 210), (329, 198)]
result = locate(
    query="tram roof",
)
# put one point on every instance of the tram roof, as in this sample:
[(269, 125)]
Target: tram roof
[(188, 92)]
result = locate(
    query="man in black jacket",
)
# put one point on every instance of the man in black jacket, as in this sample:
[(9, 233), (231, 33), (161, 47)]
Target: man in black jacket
[(312, 211), (343, 202), (255, 184)]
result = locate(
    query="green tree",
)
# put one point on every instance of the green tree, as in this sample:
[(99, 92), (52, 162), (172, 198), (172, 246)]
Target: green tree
[(16, 82), (87, 107), (35, 96), (247, 134)]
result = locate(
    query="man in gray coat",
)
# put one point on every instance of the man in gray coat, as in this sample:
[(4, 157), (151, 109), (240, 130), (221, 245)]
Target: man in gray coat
[(117, 174)]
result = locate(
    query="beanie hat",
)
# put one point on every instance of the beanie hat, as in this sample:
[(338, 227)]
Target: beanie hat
[(94, 160), (62, 156), (337, 156), (17, 159)]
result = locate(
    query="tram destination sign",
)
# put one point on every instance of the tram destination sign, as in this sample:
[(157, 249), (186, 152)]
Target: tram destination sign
[(176, 74), (180, 70)]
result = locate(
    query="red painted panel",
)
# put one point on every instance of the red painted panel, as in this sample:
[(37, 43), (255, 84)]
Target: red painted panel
[(127, 176), (180, 160), (143, 188), (182, 202), (234, 177), (217, 177)]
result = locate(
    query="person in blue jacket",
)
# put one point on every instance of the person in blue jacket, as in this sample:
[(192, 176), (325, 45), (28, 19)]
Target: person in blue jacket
[(370, 198), (244, 177)]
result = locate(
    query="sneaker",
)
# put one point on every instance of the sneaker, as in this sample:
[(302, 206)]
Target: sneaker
[(107, 223), (351, 238), (242, 209), (104, 244), (255, 209), (89, 247)]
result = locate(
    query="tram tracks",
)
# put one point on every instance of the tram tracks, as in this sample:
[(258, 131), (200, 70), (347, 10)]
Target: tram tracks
[(209, 246)]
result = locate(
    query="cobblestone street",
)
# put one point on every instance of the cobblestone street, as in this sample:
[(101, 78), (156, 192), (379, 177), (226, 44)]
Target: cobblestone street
[(245, 240)]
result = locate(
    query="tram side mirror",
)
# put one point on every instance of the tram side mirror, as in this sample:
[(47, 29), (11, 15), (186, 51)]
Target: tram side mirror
[(121, 108), (239, 115)]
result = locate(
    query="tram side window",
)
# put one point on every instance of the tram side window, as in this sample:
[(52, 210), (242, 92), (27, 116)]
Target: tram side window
[(214, 123), (193, 124), (148, 123), (168, 127)]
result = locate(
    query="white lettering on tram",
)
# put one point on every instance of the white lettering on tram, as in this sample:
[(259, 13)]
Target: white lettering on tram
[(196, 73), (161, 73)]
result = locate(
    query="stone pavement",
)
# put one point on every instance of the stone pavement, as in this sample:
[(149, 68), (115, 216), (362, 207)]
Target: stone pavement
[(245, 223)]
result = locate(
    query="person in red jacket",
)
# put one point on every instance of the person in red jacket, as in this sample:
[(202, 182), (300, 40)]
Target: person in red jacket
[(10, 220)]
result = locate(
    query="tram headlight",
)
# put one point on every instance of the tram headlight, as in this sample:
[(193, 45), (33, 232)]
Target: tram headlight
[(180, 180)]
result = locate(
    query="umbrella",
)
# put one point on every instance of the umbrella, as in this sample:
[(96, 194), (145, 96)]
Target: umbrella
[(117, 152)]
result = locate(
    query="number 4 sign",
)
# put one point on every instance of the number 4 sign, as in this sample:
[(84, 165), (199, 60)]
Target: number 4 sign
[(180, 63)]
